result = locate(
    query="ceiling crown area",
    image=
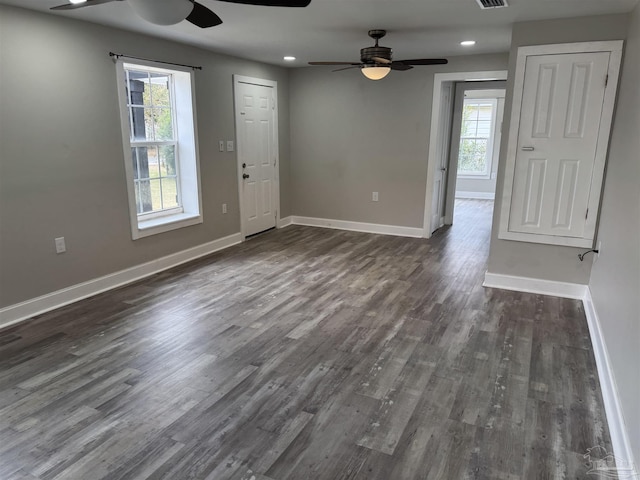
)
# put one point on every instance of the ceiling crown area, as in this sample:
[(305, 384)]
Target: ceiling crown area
[(333, 30)]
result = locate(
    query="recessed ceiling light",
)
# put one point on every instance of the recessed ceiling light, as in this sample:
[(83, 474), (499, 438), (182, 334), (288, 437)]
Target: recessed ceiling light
[(289, 58), (77, 1), (468, 43)]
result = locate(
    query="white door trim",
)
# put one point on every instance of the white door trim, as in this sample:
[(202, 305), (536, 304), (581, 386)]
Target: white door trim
[(432, 161), (615, 48), (237, 79)]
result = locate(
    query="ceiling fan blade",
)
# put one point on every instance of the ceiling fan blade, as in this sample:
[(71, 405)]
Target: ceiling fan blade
[(202, 17), (273, 3), (346, 68), (88, 3), (386, 61), (425, 61), (333, 63), (400, 66)]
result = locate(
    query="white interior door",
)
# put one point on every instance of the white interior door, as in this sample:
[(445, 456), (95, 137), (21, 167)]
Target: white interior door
[(562, 104), (257, 154), (440, 176)]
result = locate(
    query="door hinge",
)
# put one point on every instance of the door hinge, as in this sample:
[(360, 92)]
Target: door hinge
[(586, 214), (606, 80)]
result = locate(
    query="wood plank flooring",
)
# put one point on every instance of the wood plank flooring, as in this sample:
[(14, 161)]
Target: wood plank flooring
[(307, 353)]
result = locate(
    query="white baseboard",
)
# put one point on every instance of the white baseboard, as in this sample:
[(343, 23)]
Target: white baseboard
[(285, 222), (35, 306), (615, 418), (476, 195), (358, 226), (535, 285)]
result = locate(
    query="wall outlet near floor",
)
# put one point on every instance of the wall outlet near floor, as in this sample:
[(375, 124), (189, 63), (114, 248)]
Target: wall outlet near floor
[(61, 247), (374, 196), (221, 145), (229, 145), (224, 208)]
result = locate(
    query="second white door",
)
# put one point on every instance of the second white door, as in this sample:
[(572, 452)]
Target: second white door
[(256, 133)]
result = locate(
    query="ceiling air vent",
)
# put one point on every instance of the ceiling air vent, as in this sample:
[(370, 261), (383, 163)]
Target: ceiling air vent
[(484, 4)]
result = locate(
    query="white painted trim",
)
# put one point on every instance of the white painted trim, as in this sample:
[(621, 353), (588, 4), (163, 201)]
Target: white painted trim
[(606, 119), (615, 418), (476, 195), (36, 306), (237, 79), (285, 222), (432, 161), (358, 226), (534, 285)]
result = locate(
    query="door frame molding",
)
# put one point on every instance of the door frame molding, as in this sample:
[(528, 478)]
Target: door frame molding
[(432, 160), (614, 47), (238, 79)]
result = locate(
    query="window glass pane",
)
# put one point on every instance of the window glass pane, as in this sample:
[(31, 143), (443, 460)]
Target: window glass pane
[(142, 122), (138, 203), (156, 194), (167, 160), (134, 159), (473, 156), (159, 89), (169, 192), (163, 125), (154, 162), (469, 128), (136, 87), (145, 202), (484, 129)]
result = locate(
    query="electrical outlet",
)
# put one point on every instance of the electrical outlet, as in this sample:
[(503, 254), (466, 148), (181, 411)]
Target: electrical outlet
[(374, 196), (61, 247), (224, 208), (221, 145), (229, 145)]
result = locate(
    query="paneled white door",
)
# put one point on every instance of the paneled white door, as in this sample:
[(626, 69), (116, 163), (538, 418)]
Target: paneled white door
[(257, 155), (440, 176), (562, 104)]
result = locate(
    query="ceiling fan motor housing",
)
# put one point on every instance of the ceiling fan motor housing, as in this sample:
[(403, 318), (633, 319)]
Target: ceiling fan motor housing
[(367, 54)]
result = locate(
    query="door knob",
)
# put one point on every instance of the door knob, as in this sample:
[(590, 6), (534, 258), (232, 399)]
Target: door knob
[(443, 169), (245, 175)]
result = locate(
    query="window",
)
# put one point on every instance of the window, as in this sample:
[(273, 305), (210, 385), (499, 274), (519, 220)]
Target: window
[(158, 127), (476, 137)]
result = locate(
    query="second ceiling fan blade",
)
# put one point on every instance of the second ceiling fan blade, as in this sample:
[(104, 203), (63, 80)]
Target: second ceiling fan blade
[(88, 3), (273, 3), (202, 17), (425, 61), (333, 63), (400, 66)]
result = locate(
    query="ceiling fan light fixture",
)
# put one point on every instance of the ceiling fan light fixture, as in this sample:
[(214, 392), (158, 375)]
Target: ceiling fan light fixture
[(162, 12), (375, 72)]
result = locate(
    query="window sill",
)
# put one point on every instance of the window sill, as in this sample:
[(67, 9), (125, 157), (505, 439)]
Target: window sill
[(165, 224)]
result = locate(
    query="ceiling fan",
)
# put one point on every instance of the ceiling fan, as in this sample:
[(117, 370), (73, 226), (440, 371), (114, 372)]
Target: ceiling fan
[(375, 62), (169, 12)]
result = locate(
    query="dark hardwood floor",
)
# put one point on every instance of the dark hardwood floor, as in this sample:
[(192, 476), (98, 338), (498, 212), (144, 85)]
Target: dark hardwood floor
[(307, 353)]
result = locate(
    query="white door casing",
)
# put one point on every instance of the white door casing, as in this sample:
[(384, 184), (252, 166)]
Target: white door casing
[(561, 118), (257, 153)]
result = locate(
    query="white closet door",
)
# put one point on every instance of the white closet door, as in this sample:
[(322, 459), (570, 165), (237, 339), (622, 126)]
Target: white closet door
[(560, 119)]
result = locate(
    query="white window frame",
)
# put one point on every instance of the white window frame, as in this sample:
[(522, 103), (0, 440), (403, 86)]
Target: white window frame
[(187, 161), (490, 140)]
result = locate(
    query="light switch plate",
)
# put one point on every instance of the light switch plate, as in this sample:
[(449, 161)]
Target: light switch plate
[(221, 145), (229, 145)]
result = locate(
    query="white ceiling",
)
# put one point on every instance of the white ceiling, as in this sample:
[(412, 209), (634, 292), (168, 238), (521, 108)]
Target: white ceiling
[(335, 30)]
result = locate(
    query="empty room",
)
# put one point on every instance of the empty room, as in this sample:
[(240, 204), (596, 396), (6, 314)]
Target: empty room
[(319, 239)]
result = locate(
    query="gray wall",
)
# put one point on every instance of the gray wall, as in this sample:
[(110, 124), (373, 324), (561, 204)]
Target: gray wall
[(615, 276), (351, 136), (61, 161), (549, 262)]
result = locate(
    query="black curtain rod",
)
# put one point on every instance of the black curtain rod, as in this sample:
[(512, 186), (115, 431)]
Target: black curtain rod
[(118, 55)]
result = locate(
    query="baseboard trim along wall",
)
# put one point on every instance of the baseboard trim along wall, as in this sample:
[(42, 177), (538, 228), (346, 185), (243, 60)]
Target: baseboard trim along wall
[(36, 306), (534, 285), (615, 419), (354, 226), (476, 195)]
